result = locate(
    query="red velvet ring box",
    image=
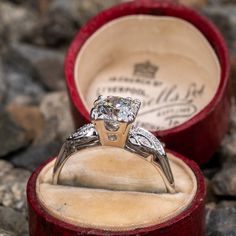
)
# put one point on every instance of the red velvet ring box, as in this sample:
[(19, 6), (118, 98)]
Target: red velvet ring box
[(109, 191), (174, 61)]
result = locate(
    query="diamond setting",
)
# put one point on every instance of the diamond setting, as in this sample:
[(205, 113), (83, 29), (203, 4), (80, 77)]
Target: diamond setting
[(113, 110), (85, 131), (143, 138)]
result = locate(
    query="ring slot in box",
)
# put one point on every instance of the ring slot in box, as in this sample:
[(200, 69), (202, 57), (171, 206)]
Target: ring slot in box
[(111, 191)]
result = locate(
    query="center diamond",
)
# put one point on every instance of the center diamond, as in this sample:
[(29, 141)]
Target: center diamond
[(114, 110)]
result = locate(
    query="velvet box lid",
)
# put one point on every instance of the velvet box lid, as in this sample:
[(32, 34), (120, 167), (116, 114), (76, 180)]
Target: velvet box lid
[(168, 56)]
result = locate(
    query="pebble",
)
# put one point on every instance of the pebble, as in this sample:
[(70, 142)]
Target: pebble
[(12, 186), (6, 233), (34, 156), (17, 20), (194, 3), (20, 77), (55, 107), (47, 63), (55, 29), (220, 221), (2, 84), (81, 11), (224, 182), (12, 135), (29, 118), (13, 221), (225, 19)]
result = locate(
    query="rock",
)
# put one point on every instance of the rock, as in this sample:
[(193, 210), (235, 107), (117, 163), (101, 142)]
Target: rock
[(233, 114), (18, 21), (2, 84), (35, 155), (20, 77), (12, 187), (226, 203), (220, 221), (29, 118), (6, 233), (59, 122), (210, 197), (54, 29), (221, 2), (224, 182), (82, 11), (47, 63), (194, 3), (13, 136), (13, 221), (225, 19), (3, 35)]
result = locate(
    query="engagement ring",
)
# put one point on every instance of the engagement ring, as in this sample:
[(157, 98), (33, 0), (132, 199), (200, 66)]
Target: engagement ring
[(112, 125)]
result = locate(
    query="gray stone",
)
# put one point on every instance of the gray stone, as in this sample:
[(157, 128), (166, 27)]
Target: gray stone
[(54, 29), (29, 118), (59, 122), (227, 203), (2, 84), (35, 155), (224, 182), (221, 2), (220, 221), (225, 19), (20, 77), (47, 63), (13, 137), (82, 11), (17, 20), (210, 196), (12, 186), (13, 221), (6, 233)]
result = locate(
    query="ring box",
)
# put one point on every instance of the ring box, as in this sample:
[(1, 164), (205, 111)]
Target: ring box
[(144, 208), (176, 62)]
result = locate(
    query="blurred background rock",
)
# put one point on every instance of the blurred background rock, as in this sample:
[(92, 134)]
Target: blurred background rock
[(34, 108)]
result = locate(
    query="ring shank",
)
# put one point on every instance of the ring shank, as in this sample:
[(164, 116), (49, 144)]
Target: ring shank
[(65, 154)]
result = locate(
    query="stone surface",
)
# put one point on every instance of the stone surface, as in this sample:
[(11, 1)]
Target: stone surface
[(20, 77), (13, 136), (224, 182), (81, 11), (2, 84), (193, 3), (47, 63), (17, 20), (29, 118), (54, 29), (6, 233), (13, 221), (12, 186), (34, 156), (220, 221), (56, 110), (225, 19)]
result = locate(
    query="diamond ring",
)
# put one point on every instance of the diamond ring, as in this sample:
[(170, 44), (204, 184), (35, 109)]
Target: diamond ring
[(112, 125)]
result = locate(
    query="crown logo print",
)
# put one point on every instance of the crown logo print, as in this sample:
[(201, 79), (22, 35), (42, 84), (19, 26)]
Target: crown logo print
[(145, 69)]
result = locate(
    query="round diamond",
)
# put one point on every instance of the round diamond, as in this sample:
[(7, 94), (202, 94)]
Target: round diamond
[(114, 110)]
